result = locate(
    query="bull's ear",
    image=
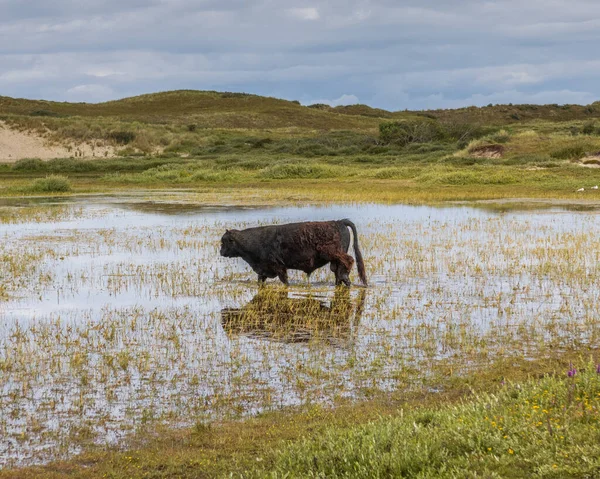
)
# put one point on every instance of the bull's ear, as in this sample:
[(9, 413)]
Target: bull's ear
[(226, 231)]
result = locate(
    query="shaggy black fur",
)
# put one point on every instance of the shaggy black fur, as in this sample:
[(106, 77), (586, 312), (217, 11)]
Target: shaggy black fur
[(272, 250)]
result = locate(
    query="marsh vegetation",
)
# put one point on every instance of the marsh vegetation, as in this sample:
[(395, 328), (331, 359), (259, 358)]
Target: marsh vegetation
[(122, 327), (118, 315)]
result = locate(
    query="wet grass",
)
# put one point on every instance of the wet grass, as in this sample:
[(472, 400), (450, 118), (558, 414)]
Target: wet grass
[(115, 326), (491, 419)]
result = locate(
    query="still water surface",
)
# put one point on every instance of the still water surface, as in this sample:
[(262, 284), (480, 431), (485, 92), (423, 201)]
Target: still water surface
[(118, 313)]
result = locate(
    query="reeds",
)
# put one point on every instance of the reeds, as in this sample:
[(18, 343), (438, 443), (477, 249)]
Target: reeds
[(115, 319)]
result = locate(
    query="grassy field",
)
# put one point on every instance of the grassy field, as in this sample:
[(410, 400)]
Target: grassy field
[(214, 140)]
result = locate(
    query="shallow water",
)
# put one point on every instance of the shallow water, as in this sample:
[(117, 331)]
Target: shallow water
[(119, 313)]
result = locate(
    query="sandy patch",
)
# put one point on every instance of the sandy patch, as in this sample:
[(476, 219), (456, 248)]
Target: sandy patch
[(591, 161), (16, 145), (487, 151)]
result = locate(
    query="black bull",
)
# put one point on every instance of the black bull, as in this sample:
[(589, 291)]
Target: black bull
[(272, 250)]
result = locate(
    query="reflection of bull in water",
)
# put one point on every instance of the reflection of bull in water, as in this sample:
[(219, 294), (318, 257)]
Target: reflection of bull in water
[(271, 314)]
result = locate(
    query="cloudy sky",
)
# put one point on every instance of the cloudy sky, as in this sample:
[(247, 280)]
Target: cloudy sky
[(392, 54)]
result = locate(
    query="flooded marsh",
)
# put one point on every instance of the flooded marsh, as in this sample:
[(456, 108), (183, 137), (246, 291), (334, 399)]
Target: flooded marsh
[(117, 313)]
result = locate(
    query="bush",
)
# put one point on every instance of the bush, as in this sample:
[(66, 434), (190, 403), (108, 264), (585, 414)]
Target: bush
[(215, 176), (260, 142), (501, 136), (45, 113), (29, 164), (406, 132), (395, 173), (285, 171), (462, 132), (590, 128), (122, 137), (51, 184), (573, 152), (467, 177)]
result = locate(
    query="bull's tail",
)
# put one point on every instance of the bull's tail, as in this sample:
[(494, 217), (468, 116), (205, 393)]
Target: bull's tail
[(360, 265)]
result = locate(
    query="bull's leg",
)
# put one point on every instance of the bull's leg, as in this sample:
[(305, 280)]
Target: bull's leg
[(283, 277), (262, 278)]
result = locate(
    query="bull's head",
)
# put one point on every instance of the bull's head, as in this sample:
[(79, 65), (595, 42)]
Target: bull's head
[(229, 245)]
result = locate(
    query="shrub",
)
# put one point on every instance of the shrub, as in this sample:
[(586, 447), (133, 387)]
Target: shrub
[(51, 184), (45, 113), (229, 94), (573, 152), (122, 137), (395, 173), (407, 132), (294, 170), (215, 176), (260, 142), (29, 164), (60, 165), (467, 177), (590, 128), (462, 132), (501, 136)]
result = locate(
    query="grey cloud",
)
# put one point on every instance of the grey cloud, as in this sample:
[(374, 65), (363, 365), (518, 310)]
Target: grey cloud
[(388, 53)]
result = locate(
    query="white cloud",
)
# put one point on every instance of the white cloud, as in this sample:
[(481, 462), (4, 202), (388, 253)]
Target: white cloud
[(90, 93), (343, 100), (387, 53), (309, 13)]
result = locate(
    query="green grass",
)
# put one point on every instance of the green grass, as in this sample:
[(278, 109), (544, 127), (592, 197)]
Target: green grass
[(514, 419), (491, 115), (205, 122), (542, 428), (204, 109), (51, 184)]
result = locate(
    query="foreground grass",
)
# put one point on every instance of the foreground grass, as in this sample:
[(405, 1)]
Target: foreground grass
[(545, 428), (544, 424)]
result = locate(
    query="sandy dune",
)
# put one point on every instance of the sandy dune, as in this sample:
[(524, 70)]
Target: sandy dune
[(15, 145)]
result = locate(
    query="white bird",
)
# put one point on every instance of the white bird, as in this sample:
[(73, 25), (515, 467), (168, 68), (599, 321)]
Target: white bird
[(580, 189), (595, 187)]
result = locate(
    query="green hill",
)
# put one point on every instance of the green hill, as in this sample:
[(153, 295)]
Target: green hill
[(211, 109), (206, 109), (488, 115)]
